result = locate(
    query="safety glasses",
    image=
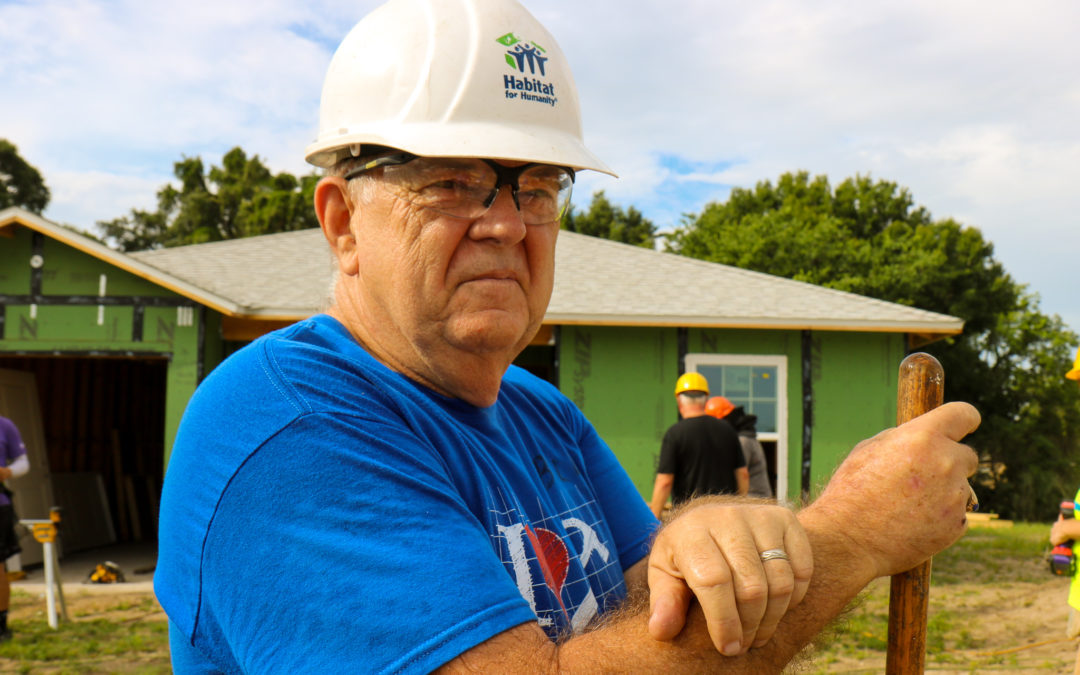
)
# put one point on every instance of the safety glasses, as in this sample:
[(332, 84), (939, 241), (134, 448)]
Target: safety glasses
[(467, 187)]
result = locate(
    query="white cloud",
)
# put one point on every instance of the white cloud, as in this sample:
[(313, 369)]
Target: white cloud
[(75, 194), (971, 105)]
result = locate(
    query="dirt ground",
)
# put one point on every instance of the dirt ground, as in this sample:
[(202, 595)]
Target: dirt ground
[(1006, 627)]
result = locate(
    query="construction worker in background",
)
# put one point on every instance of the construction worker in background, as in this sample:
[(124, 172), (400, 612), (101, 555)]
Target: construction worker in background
[(756, 463), (13, 463), (700, 454), (1068, 529), (377, 489)]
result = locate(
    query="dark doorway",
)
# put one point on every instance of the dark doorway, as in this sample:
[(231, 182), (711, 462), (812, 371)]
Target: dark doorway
[(770, 459), (104, 420)]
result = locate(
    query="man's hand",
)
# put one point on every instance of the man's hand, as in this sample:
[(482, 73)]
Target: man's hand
[(901, 496), (5, 473), (897, 499), (712, 551), (1064, 530)]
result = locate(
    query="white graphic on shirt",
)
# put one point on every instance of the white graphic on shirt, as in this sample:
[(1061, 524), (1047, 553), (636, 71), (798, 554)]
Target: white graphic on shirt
[(591, 542), (552, 556)]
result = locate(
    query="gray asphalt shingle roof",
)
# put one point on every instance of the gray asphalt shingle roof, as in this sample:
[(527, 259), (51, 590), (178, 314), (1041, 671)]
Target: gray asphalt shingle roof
[(287, 276), (596, 282)]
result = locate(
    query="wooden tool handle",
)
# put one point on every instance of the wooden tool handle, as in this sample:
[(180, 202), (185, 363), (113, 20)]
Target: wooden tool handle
[(921, 389)]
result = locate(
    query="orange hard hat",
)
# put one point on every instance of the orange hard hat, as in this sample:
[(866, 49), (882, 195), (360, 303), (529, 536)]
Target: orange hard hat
[(1074, 374), (719, 407)]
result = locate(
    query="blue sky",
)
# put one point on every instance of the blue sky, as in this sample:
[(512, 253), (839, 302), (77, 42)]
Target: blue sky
[(972, 106)]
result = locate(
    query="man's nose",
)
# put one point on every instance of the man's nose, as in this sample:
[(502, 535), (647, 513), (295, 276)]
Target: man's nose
[(502, 221)]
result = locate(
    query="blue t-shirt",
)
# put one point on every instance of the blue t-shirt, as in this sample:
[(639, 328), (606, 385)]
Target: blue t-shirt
[(322, 513)]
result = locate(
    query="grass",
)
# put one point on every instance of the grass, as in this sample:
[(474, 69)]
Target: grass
[(986, 567), (126, 633), (1015, 553), (123, 633)]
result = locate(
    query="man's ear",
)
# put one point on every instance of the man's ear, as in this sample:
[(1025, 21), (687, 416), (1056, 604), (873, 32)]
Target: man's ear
[(334, 209)]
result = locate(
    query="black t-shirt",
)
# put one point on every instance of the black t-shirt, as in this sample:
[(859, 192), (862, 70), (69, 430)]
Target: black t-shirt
[(703, 453)]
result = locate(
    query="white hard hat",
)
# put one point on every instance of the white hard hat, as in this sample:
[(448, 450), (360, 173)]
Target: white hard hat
[(452, 78)]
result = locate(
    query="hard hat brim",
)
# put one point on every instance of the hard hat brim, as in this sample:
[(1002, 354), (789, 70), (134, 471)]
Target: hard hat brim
[(491, 141)]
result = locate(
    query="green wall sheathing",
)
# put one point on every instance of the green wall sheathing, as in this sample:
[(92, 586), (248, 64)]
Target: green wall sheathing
[(75, 329), (214, 347), (69, 329), (182, 377), (15, 252), (68, 271), (621, 378), (855, 379)]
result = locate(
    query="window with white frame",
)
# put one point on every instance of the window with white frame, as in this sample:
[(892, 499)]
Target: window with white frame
[(758, 382)]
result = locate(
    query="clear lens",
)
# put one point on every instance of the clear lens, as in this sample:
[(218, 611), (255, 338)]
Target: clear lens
[(544, 193), (454, 186), (465, 188)]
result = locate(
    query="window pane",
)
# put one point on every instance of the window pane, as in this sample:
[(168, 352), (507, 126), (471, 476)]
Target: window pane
[(763, 381), (715, 377), (736, 382), (766, 415)]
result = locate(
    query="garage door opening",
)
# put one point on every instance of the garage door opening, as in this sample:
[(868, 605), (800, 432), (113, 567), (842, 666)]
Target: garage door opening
[(104, 427)]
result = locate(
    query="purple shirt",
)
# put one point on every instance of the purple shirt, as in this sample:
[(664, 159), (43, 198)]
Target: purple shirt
[(11, 448)]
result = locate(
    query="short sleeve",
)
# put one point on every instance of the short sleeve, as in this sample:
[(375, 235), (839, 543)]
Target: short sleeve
[(384, 568)]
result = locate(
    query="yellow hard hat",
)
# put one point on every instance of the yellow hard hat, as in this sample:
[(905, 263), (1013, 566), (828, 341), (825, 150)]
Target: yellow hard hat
[(691, 382), (1074, 374)]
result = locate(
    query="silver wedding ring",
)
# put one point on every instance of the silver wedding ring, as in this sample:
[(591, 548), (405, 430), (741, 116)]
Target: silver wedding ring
[(773, 554)]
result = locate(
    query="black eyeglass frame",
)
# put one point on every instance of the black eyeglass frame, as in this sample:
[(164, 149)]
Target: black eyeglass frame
[(504, 175)]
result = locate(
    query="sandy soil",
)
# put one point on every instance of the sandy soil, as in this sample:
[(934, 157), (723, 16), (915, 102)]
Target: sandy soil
[(1005, 627)]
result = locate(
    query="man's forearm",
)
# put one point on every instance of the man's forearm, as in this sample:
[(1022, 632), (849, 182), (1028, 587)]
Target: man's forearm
[(742, 480), (623, 642), (661, 491)]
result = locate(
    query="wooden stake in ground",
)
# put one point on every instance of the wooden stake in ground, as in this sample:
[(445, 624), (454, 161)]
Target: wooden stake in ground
[(921, 389)]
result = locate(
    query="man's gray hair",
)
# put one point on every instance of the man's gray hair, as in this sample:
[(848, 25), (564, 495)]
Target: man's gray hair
[(694, 396), (360, 188)]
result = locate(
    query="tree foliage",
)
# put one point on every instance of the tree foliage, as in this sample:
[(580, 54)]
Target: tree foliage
[(20, 183), (241, 198), (869, 237), (605, 220)]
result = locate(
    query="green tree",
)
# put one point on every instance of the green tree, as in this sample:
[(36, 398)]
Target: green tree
[(1029, 445), (241, 198), (20, 183), (607, 221), (869, 237)]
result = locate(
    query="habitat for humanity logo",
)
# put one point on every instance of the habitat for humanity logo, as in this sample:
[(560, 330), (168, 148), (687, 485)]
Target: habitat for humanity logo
[(527, 59)]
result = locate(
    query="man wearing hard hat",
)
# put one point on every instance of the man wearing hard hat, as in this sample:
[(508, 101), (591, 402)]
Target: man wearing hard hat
[(376, 489), (1064, 531), (757, 465), (700, 454)]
